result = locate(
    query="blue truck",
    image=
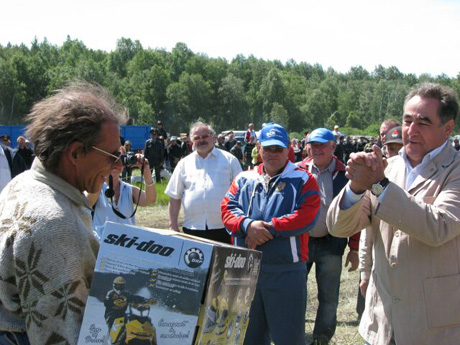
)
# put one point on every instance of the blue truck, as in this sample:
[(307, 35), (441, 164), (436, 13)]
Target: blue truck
[(137, 135)]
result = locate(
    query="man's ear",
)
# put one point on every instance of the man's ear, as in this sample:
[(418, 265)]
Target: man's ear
[(449, 127), (74, 151)]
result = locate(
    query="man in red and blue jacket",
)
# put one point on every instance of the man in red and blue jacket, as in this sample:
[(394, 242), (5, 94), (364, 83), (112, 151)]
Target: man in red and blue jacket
[(271, 209)]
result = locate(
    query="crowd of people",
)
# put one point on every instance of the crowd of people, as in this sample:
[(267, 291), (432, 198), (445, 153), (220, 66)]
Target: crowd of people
[(394, 200)]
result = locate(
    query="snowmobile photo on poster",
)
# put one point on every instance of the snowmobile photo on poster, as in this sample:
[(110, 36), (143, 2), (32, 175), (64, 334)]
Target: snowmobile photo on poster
[(232, 281), (149, 285)]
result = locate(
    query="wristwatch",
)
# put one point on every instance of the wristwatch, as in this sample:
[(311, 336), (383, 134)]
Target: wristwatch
[(379, 187)]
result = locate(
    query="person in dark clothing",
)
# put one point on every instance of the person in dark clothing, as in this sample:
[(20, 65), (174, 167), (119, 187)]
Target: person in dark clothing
[(339, 149), (231, 141), (360, 144), (5, 140), (163, 137), (186, 145), (25, 152), (248, 154), (16, 165), (127, 169), (161, 132), (456, 144), (348, 149), (237, 152), (220, 144), (174, 153), (154, 151)]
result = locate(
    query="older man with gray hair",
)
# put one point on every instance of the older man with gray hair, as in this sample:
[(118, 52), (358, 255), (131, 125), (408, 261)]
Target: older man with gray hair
[(200, 182), (47, 249)]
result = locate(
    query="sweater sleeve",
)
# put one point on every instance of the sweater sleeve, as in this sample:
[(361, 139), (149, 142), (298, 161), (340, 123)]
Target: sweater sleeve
[(54, 267)]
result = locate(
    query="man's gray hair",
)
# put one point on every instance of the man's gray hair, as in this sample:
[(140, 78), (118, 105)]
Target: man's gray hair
[(448, 105), (198, 124), (74, 113)]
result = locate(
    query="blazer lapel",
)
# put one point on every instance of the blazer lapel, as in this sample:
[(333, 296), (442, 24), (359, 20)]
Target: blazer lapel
[(430, 170)]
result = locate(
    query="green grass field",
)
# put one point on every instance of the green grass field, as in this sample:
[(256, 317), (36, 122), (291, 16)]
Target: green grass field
[(347, 329)]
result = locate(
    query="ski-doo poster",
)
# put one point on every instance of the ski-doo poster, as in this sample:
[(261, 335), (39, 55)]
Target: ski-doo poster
[(224, 317), (160, 287), (147, 288)]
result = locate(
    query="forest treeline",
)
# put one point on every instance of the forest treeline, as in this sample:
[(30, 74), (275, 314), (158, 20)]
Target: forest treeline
[(180, 87)]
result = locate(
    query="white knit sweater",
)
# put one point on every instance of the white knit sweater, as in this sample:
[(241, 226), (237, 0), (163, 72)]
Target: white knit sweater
[(47, 257)]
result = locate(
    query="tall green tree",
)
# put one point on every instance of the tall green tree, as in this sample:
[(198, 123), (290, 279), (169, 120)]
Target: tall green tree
[(234, 108)]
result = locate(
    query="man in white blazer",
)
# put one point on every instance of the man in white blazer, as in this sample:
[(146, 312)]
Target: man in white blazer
[(412, 202)]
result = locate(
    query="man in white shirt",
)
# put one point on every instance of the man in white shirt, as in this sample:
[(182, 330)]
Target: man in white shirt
[(200, 182)]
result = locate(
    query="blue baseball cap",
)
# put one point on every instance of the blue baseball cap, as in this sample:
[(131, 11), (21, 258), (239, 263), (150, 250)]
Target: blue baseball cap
[(321, 135), (274, 134)]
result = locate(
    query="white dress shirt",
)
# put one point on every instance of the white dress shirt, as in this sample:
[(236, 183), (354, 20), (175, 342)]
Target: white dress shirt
[(201, 183)]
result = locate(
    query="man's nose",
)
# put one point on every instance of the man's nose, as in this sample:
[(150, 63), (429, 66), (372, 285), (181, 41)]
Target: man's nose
[(412, 129)]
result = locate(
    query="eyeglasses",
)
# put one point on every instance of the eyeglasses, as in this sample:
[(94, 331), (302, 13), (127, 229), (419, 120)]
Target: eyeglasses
[(115, 157), (273, 149), (201, 137)]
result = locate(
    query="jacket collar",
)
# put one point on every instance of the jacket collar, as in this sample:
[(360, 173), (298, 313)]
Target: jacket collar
[(286, 170), (57, 183), (443, 160)]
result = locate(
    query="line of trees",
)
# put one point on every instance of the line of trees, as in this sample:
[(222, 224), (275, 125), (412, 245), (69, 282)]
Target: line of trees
[(180, 87)]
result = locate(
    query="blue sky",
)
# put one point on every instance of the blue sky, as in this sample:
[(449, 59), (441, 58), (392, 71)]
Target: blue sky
[(416, 36)]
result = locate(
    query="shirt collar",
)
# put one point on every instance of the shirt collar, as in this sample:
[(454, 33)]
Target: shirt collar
[(331, 167), (213, 152), (427, 158)]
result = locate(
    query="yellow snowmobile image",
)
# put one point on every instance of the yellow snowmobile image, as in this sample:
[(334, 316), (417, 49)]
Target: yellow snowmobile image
[(135, 328), (217, 316)]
